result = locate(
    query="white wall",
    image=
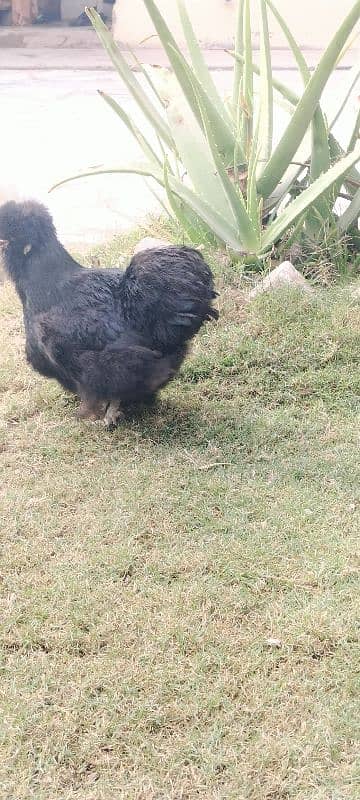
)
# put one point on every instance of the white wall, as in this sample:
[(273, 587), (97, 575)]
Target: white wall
[(312, 21)]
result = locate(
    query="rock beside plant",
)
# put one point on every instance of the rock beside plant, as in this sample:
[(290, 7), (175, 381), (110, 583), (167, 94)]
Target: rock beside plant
[(149, 243), (283, 275)]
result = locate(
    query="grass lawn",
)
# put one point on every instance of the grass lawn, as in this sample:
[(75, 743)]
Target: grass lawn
[(144, 571)]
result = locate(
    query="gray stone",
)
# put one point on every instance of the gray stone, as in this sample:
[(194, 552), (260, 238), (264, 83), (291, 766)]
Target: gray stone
[(283, 275), (274, 642), (150, 244)]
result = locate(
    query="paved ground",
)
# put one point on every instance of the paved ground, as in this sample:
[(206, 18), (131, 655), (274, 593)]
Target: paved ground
[(94, 58), (54, 124)]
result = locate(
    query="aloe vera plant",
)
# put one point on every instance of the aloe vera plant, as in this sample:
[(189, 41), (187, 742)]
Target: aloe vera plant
[(217, 162)]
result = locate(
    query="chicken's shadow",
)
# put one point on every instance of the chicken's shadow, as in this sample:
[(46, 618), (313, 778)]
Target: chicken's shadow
[(165, 423)]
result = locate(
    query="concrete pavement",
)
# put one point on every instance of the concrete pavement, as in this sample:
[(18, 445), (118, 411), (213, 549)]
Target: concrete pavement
[(94, 58), (55, 124), (39, 38)]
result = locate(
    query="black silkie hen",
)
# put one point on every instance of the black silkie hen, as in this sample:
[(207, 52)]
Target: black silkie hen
[(108, 336)]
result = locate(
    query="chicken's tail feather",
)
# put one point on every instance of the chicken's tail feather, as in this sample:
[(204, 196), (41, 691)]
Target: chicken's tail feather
[(169, 294)]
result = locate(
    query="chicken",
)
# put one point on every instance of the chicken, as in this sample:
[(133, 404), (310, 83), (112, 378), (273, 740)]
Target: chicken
[(108, 336)]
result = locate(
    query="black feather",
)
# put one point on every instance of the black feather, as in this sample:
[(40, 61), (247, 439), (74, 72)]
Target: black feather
[(104, 334)]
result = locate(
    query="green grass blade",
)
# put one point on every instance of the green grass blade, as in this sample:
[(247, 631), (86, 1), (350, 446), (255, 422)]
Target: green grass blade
[(304, 111), (129, 79), (144, 144), (266, 87), (307, 198)]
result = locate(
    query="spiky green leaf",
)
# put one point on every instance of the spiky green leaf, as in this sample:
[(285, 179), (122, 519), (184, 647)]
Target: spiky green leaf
[(120, 63), (296, 129), (307, 197), (266, 88), (197, 59), (223, 132), (148, 151)]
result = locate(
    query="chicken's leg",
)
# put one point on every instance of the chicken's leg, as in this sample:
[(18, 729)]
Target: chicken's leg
[(114, 414), (91, 409)]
